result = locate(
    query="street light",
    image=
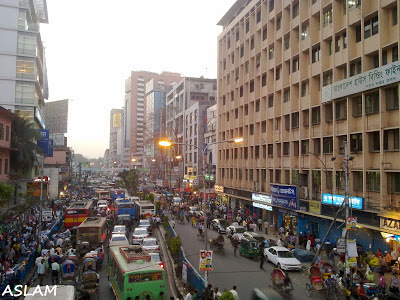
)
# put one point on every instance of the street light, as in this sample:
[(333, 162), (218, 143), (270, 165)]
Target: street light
[(153, 160), (166, 143), (178, 157), (133, 159)]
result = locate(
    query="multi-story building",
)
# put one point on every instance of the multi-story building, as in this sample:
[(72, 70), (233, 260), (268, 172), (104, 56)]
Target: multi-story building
[(116, 136), (23, 76), (297, 79), (135, 110), (187, 105), (210, 137), (5, 142)]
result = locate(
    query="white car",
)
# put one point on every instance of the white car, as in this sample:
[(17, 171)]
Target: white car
[(235, 230), (145, 224), (118, 240), (282, 257), (150, 244), (119, 229), (139, 234)]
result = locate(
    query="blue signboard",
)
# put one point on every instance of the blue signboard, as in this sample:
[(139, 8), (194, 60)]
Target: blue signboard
[(44, 134), (263, 206), (284, 196), (261, 198), (354, 202), (44, 142)]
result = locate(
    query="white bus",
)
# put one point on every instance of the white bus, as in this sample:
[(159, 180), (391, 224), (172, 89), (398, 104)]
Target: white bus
[(144, 209), (101, 194)]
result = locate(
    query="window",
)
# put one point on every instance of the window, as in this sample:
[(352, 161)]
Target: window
[(356, 143), (391, 140), (296, 148), (26, 43), (295, 10), (316, 178), (327, 18), (251, 129), (392, 98), (372, 103), (286, 42), (26, 68), (271, 52), (373, 181), (258, 61), (286, 95), (278, 22), (384, 57), (270, 150), (394, 182), (246, 109), (241, 91), (374, 141), (257, 105), (327, 78), (295, 64), (329, 180), (247, 26), (375, 59), (287, 176), (287, 122), (259, 16), (355, 68), (271, 5), (1, 131), (241, 51), (25, 92), (295, 120), (306, 117), (6, 166), (295, 176), (330, 47), (278, 73), (271, 176), (394, 16), (317, 146), (264, 80), (252, 43), (337, 44), (252, 86), (344, 37), (227, 116), (236, 113), (328, 145), (356, 106), (316, 54), (340, 180), (265, 31), (328, 113), (371, 27), (358, 33), (303, 32), (304, 147), (395, 54), (277, 123), (257, 152), (357, 180), (7, 133), (286, 148), (245, 152), (264, 126), (270, 100), (316, 115), (278, 176), (341, 110), (303, 89)]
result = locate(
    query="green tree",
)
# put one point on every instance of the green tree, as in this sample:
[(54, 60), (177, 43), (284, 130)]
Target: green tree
[(6, 193), (151, 197), (175, 245), (130, 180), (23, 143)]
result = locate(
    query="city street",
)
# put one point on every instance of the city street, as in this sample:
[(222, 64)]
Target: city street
[(229, 270)]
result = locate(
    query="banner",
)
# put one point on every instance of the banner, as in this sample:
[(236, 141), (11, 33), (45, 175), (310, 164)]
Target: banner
[(205, 260), (284, 196), (351, 223)]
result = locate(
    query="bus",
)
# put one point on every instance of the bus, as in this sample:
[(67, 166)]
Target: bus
[(101, 194), (117, 193), (92, 230), (132, 272), (124, 207), (77, 213), (144, 209)]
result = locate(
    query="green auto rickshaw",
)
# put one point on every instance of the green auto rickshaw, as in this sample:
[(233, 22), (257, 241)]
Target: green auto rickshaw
[(249, 247)]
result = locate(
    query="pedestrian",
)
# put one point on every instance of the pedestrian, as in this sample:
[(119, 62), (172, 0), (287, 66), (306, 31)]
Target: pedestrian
[(262, 258), (235, 244), (332, 257), (260, 223), (207, 293), (234, 293), (394, 284), (388, 260), (217, 294), (189, 295), (41, 270), (55, 269), (281, 231), (308, 246), (266, 225), (172, 223)]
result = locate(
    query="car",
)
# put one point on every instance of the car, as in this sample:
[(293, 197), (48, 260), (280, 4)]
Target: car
[(139, 234), (157, 258), (144, 223), (282, 257), (118, 240), (119, 229), (102, 204), (235, 229), (250, 234), (150, 244), (219, 225)]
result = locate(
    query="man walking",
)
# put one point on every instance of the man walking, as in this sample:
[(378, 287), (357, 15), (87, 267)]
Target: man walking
[(262, 259), (55, 269), (41, 269), (235, 244), (234, 293), (260, 223), (266, 225)]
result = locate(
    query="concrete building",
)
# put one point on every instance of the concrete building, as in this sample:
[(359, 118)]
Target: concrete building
[(116, 136), (296, 79), (135, 110), (210, 136), (187, 105), (23, 76), (5, 142), (56, 116)]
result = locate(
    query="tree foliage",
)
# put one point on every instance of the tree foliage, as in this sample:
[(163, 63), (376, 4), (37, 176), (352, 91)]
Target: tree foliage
[(6, 193), (130, 180), (175, 245)]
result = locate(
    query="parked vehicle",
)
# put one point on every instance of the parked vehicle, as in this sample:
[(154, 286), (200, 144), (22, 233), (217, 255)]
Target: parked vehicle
[(283, 258), (249, 247), (219, 225), (235, 229), (250, 234)]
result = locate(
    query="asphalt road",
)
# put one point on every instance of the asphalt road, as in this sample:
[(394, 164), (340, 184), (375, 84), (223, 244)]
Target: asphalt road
[(229, 270)]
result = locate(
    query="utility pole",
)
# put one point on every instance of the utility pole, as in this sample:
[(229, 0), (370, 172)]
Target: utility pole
[(41, 200), (346, 199)]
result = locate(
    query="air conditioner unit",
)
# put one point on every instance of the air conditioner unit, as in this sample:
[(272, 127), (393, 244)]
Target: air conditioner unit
[(304, 192), (256, 186)]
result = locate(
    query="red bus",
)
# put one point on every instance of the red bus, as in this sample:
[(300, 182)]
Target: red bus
[(77, 213)]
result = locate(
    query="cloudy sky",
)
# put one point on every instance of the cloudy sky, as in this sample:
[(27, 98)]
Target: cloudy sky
[(92, 45)]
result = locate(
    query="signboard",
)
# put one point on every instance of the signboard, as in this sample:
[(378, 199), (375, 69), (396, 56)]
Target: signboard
[(205, 260), (351, 223), (372, 79), (263, 206), (354, 202), (351, 247), (314, 207), (47, 215), (261, 198), (63, 169), (391, 224), (190, 177), (218, 188), (44, 143), (284, 196), (44, 134)]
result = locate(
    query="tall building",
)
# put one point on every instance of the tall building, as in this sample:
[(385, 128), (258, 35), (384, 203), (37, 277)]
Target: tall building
[(116, 136), (210, 137), (187, 105), (23, 76), (56, 116), (135, 109), (296, 79)]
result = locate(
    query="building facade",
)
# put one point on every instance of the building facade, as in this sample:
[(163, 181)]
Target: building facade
[(5, 142), (187, 105), (297, 79), (135, 110), (23, 76), (116, 137), (210, 137)]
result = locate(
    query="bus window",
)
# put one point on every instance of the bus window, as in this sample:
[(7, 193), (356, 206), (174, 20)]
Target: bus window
[(145, 277)]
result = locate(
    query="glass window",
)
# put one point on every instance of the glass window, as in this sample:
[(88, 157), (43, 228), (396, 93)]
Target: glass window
[(373, 181), (26, 68), (26, 43), (392, 98), (25, 92), (372, 103), (1, 131)]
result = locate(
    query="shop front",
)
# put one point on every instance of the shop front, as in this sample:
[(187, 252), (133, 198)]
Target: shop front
[(261, 206), (284, 198), (289, 220), (390, 229)]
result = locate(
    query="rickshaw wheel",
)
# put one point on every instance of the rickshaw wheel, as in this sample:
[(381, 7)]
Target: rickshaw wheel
[(308, 289)]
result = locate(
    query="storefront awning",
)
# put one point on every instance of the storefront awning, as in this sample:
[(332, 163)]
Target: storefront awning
[(390, 215)]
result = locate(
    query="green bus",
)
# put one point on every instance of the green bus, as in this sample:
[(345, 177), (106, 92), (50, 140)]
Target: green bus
[(132, 272)]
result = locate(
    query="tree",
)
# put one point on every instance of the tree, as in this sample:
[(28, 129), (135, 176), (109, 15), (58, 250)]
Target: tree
[(24, 147), (130, 180), (6, 193)]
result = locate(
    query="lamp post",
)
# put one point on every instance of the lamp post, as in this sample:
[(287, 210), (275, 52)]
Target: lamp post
[(165, 143)]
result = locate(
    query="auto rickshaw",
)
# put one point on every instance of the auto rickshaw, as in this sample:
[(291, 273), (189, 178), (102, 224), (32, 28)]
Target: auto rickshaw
[(68, 272), (249, 247)]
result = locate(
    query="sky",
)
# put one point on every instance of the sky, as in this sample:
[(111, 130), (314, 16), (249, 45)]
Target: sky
[(92, 45)]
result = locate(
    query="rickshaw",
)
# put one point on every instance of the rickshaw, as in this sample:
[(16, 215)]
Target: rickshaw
[(68, 272), (249, 247), (90, 282), (83, 248), (316, 283), (217, 245), (326, 269), (281, 282)]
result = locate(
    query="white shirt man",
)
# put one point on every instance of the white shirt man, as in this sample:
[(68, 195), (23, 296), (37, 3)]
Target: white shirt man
[(52, 251), (234, 293), (60, 241)]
